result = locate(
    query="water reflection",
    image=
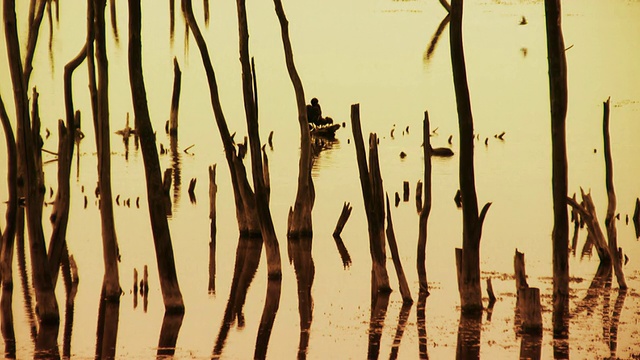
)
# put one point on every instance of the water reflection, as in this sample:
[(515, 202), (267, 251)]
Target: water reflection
[(321, 151), (271, 305), (300, 254), (379, 306), (435, 38), (342, 249), (531, 347), (469, 329), (171, 324), (402, 324), (46, 342), (24, 279), (108, 317), (422, 324), (176, 166), (247, 261)]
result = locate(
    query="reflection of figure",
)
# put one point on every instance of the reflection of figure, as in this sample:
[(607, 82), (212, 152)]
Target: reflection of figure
[(314, 114)]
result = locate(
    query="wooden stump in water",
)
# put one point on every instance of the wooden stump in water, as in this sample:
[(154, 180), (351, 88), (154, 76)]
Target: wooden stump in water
[(175, 99), (530, 311), (342, 220), (405, 191)]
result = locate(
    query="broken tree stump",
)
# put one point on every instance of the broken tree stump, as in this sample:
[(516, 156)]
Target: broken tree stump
[(530, 311), (175, 99), (397, 263), (425, 209), (342, 220)]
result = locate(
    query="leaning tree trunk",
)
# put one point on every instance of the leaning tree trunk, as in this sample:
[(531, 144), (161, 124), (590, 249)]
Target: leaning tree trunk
[(46, 301), (161, 236), (469, 281), (248, 222), (251, 112), (558, 99), (610, 220), (300, 221), (109, 240), (8, 236)]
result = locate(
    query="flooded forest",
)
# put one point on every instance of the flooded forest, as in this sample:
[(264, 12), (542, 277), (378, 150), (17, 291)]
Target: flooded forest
[(351, 179)]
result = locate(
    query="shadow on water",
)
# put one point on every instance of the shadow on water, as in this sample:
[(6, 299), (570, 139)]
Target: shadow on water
[(176, 166), (342, 249), (271, 304), (428, 53), (171, 324), (300, 254), (107, 333), (8, 333), (247, 261), (379, 306), (469, 329), (422, 324)]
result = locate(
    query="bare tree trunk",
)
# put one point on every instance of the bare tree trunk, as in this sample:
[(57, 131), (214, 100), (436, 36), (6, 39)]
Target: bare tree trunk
[(470, 292), (558, 99), (171, 294), (248, 223), (610, 220), (375, 222), (109, 240), (251, 112), (426, 207), (8, 237), (300, 223), (46, 301), (175, 99)]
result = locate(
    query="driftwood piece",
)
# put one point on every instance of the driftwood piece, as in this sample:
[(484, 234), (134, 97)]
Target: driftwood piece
[(342, 220), (175, 98), (425, 208), (397, 263), (470, 292), (380, 279), (610, 219), (588, 213), (171, 294), (267, 229)]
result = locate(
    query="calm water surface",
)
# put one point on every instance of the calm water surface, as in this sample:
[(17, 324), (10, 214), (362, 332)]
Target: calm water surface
[(372, 53)]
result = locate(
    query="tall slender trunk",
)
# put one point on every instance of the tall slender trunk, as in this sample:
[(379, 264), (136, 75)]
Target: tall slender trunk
[(109, 239), (558, 98), (161, 236)]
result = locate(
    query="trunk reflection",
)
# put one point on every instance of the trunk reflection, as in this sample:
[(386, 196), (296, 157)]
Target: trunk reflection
[(300, 253), (171, 324)]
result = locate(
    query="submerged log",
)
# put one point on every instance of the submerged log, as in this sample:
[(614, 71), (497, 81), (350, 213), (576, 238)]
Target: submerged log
[(171, 294)]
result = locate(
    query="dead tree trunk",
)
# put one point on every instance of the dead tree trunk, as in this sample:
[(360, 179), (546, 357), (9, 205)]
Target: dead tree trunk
[(558, 99), (248, 223), (610, 220), (8, 236), (46, 301), (251, 112), (161, 236), (426, 207), (393, 246), (175, 99), (213, 190), (470, 292), (375, 220), (300, 223), (109, 239)]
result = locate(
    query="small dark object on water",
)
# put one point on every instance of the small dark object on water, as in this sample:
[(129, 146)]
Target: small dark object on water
[(450, 141), (407, 130), (486, 141), (128, 202), (595, 150), (138, 202), (82, 189), (97, 191), (118, 200), (344, 124), (50, 192), (270, 140), (391, 133), (85, 201), (626, 259), (162, 150), (626, 219), (441, 151), (402, 155), (523, 21), (458, 199), (397, 199), (500, 136), (618, 216), (47, 133)]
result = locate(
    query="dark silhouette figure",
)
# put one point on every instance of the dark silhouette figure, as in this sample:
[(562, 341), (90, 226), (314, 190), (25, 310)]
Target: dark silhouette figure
[(314, 114)]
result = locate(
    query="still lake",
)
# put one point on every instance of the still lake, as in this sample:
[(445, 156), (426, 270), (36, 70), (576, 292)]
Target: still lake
[(372, 53)]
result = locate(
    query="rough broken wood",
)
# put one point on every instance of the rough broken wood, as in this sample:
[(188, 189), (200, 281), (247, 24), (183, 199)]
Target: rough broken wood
[(175, 99), (397, 263), (342, 220)]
